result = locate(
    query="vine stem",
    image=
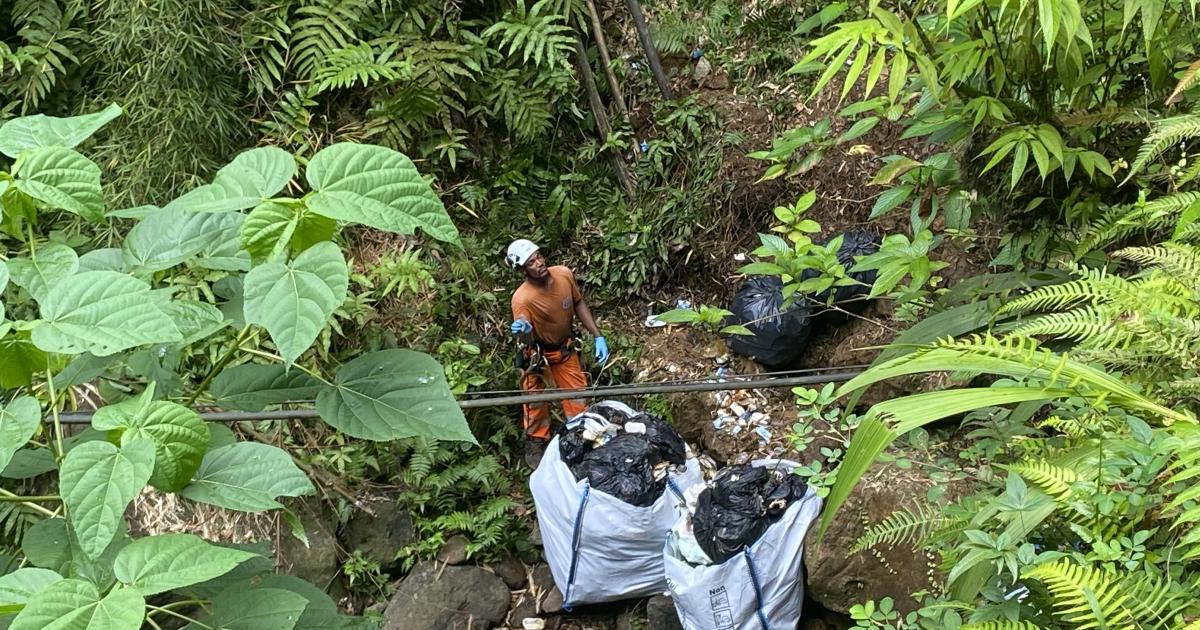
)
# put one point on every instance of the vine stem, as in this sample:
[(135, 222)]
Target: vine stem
[(9, 497), (58, 434), (168, 611), (276, 357), (218, 366)]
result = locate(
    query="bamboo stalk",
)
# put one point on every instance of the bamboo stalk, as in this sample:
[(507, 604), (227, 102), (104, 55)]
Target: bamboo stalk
[(589, 84), (643, 31), (602, 46)]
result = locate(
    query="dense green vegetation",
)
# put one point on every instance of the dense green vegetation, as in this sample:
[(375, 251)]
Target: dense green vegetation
[(1065, 131)]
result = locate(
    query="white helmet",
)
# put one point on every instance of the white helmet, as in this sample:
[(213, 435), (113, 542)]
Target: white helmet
[(519, 252)]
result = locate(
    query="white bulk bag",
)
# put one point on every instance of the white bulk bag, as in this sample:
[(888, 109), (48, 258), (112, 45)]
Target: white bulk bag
[(600, 548), (761, 588)]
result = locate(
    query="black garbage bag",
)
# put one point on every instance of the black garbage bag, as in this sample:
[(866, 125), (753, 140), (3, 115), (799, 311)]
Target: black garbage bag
[(571, 445), (624, 468), (669, 443), (739, 505), (854, 244), (613, 411), (779, 335)]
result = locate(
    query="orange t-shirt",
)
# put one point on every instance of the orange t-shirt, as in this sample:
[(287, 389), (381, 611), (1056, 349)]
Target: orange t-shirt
[(551, 308)]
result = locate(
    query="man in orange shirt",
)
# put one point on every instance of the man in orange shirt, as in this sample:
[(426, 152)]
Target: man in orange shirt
[(544, 308)]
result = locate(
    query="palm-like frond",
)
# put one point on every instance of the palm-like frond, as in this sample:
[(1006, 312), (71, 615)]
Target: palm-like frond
[(1163, 134)]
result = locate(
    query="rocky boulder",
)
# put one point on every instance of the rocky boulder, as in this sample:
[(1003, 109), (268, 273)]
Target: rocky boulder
[(379, 537), (837, 579), (317, 563), (433, 597), (661, 615)]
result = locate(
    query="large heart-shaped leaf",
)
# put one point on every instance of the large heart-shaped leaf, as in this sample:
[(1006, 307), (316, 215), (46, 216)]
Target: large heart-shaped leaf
[(102, 312), (61, 178), (179, 435), (104, 259), (30, 132), (376, 186), (268, 229), (19, 420), (252, 177), (169, 561), (77, 605), (195, 320), (247, 476), (50, 264), (253, 387), (256, 609), (226, 252), (29, 463), (21, 361), (293, 301), (98, 480), (169, 237), (47, 544), (393, 394), (18, 587)]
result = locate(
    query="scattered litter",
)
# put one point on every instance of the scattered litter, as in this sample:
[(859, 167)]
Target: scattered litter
[(682, 304), (739, 257), (533, 623), (741, 410), (652, 321)]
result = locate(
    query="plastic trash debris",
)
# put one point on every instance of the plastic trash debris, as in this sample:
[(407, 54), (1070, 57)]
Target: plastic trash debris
[(779, 335), (652, 321), (762, 586), (622, 452), (682, 304), (533, 623), (854, 244), (764, 434), (739, 505)]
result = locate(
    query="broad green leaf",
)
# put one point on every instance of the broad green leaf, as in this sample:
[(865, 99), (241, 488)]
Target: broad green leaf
[(179, 436), (293, 301), (859, 129), (251, 178), (678, 316), (890, 198), (254, 387), (28, 463), (30, 132), (137, 212), (376, 186), (320, 613), (50, 264), (195, 320), (256, 609), (98, 480), (21, 361), (19, 420), (105, 259), (18, 587), (312, 230), (894, 169), (393, 394), (170, 237), (268, 229), (63, 179), (102, 312), (226, 253), (247, 476), (77, 605), (156, 564), (47, 544)]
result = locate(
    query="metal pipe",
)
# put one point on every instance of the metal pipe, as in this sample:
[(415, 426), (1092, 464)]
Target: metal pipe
[(612, 391)]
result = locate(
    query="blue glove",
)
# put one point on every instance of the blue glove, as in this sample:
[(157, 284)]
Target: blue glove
[(601, 350), (521, 326)]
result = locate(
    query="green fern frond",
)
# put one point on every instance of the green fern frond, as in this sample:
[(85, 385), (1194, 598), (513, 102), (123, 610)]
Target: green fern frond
[(1055, 481), (535, 34), (1086, 596), (1163, 134), (1122, 221), (1190, 77), (361, 64), (1091, 325), (1001, 625), (1157, 601), (322, 28), (1180, 261), (906, 526), (1092, 288)]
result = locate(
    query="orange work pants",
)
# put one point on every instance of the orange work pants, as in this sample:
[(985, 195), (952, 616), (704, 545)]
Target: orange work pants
[(566, 374)]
